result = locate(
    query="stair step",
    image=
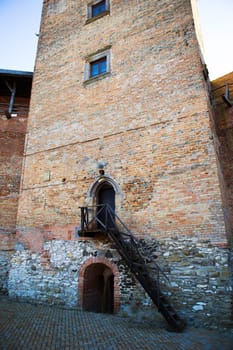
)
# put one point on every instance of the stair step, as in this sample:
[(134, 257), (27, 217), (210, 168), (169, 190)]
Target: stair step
[(142, 272), (137, 264)]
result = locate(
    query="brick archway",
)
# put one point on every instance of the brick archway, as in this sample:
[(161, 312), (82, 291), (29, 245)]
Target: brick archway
[(116, 288)]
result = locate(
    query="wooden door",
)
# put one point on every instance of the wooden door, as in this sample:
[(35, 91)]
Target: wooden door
[(106, 195)]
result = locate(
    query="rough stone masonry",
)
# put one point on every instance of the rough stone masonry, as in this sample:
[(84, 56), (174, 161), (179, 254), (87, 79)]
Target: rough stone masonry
[(146, 120)]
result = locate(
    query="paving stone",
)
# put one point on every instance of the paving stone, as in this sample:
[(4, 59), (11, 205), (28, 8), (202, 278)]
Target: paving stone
[(25, 326)]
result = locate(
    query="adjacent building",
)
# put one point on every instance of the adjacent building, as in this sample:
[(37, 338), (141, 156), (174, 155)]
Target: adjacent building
[(15, 90)]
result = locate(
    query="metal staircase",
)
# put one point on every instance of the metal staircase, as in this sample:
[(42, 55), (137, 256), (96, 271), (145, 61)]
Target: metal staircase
[(144, 268)]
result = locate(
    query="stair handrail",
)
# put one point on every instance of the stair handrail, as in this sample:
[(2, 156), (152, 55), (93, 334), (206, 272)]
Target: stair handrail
[(109, 211), (115, 234)]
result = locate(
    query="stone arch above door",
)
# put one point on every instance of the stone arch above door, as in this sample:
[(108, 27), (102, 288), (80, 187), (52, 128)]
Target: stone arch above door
[(98, 182), (116, 288), (93, 189)]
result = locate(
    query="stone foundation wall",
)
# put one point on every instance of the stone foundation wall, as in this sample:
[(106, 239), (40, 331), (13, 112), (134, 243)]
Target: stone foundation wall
[(199, 286), (52, 277), (199, 280), (5, 257)]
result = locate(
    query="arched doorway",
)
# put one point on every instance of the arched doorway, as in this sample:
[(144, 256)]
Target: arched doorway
[(98, 289), (105, 194), (108, 185), (84, 283)]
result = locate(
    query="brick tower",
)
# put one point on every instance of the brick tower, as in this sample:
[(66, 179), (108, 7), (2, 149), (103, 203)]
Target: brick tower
[(120, 114)]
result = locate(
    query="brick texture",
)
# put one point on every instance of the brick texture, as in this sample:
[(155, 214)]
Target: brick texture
[(113, 268), (224, 137), (148, 121), (12, 137)]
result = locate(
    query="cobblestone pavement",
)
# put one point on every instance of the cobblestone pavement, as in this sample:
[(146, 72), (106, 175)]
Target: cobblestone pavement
[(24, 326)]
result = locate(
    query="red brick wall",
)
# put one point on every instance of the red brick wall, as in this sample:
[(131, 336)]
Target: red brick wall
[(148, 120), (12, 137), (223, 116)]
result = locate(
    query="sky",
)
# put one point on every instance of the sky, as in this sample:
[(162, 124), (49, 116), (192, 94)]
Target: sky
[(217, 32), (20, 22)]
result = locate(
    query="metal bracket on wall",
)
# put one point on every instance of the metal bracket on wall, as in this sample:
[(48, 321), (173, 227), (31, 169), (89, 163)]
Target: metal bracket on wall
[(12, 99), (226, 96)]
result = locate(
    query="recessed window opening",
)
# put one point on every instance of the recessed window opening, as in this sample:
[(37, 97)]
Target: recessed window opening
[(98, 8), (98, 67)]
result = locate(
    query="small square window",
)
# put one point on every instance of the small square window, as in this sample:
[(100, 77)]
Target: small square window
[(98, 67), (97, 9), (97, 64)]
